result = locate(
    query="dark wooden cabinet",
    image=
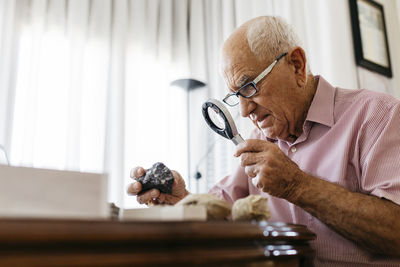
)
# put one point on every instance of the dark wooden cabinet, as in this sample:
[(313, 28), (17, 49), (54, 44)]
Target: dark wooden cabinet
[(39, 242)]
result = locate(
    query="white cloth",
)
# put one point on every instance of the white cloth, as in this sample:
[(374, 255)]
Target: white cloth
[(82, 82)]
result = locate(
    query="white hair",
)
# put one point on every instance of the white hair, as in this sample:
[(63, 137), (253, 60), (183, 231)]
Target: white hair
[(269, 37)]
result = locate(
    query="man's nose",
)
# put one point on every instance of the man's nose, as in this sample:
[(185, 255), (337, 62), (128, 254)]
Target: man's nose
[(246, 106)]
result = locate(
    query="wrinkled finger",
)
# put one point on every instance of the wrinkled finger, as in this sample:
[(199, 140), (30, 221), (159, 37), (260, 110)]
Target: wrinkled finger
[(148, 195), (177, 177), (152, 202), (179, 186), (143, 199), (249, 145), (137, 172), (134, 188), (247, 159), (252, 145), (256, 182), (251, 171), (172, 200), (161, 198)]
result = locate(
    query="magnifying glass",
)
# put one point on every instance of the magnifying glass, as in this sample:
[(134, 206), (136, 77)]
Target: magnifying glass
[(220, 120)]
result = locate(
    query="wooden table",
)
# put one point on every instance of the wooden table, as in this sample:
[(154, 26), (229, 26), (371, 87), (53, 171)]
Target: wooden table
[(39, 242)]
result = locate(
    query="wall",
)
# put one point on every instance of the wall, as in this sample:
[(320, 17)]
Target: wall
[(330, 45), (378, 82), (392, 16)]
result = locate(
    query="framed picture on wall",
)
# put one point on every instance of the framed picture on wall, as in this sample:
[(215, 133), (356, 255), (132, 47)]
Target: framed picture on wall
[(369, 36)]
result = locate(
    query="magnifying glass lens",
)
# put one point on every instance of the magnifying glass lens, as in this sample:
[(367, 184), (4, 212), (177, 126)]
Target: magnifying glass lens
[(216, 117)]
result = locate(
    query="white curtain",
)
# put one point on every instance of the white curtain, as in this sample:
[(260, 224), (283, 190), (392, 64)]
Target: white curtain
[(85, 84), (8, 42)]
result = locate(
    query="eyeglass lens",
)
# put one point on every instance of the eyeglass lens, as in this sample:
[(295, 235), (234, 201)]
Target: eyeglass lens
[(247, 91)]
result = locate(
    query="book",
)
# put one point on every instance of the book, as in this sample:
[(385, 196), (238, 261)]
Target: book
[(165, 213), (43, 193)]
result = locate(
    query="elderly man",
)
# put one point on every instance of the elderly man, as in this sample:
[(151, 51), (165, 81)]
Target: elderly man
[(326, 157)]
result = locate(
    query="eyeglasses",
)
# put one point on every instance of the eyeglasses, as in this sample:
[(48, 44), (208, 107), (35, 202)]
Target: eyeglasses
[(250, 89)]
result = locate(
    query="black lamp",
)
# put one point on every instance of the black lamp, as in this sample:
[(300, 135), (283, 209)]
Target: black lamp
[(188, 85)]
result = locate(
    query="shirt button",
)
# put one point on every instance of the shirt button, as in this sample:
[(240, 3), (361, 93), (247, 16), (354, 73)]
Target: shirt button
[(293, 149)]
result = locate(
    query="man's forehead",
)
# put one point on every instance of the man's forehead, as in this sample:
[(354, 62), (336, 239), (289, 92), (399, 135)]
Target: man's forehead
[(235, 47), (237, 59), (237, 69), (234, 60)]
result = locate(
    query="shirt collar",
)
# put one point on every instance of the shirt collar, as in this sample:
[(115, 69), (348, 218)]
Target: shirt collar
[(322, 105)]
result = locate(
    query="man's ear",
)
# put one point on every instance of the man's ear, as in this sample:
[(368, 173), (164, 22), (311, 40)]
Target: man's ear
[(297, 58)]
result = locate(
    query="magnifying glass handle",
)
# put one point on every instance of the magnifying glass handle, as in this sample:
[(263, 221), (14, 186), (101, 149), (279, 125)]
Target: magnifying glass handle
[(237, 139)]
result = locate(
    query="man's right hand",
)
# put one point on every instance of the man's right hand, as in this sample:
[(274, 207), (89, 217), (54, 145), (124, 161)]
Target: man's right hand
[(154, 196)]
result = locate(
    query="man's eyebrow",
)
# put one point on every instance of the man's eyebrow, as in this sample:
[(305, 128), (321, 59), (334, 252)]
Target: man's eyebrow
[(242, 81)]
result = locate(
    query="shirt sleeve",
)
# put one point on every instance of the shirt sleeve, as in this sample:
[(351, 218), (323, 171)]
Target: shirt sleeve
[(232, 187), (380, 155), (236, 185)]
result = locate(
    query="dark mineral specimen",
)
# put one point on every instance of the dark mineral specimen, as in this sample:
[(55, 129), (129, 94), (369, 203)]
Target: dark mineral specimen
[(159, 177)]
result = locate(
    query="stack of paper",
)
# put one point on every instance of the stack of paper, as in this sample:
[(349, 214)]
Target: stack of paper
[(165, 213), (31, 192)]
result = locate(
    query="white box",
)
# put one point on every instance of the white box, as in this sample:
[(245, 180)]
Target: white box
[(165, 213), (30, 192)]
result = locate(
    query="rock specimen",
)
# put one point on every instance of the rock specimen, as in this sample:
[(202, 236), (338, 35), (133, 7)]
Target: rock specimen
[(159, 177), (253, 207), (216, 209)]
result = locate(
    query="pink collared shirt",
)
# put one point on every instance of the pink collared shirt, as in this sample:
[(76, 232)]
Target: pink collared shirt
[(350, 138)]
